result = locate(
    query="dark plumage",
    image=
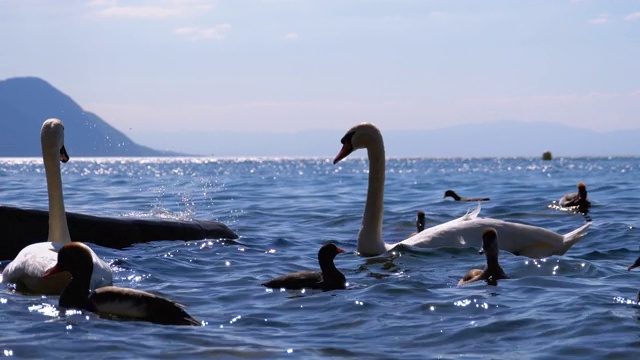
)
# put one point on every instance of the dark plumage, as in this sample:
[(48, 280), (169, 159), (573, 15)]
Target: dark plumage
[(420, 221), (451, 193), (633, 266), (576, 199), (329, 278), (493, 271), (112, 301)]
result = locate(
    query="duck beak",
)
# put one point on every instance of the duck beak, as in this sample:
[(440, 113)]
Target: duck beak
[(64, 157), (344, 152), (635, 264), (54, 270)]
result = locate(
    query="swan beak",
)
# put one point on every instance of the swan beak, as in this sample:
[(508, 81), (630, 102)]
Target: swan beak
[(340, 250), (344, 152), (64, 157), (54, 270), (481, 251)]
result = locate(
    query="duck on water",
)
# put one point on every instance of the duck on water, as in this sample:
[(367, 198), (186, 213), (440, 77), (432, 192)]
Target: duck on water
[(111, 301), (456, 197), (328, 278), (492, 271)]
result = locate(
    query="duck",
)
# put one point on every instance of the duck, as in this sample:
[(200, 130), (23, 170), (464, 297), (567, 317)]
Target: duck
[(34, 260), (492, 271), (456, 197), (111, 301), (328, 278), (576, 199), (520, 239), (633, 266), (420, 219)]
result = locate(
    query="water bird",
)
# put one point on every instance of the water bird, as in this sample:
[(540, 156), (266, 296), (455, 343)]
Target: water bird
[(111, 301), (328, 278), (576, 199), (519, 239), (420, 219), (633, 266), (451, 193), (492, 271), (34, 260)]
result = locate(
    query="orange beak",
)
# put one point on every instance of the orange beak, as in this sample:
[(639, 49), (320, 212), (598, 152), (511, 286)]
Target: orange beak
[(54, 270), (344, 152)]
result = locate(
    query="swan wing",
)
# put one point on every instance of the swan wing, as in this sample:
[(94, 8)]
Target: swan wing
[(101, 275), (473, 214), (33, 261), (30, 264), (519, 239)]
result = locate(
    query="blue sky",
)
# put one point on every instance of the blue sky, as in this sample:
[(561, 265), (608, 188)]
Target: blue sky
[(285, 66)]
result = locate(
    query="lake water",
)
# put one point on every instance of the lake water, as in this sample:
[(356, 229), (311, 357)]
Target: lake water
[(403, 305)]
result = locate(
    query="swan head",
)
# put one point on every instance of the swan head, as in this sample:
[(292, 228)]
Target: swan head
[(74, 257), (52, 139), (489, 243), (361, 136)]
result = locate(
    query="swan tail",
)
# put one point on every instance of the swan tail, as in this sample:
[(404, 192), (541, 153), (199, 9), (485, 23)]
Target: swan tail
[(573, 237)]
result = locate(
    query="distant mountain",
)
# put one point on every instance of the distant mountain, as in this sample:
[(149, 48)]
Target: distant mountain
[(26, 102), (500, 138)]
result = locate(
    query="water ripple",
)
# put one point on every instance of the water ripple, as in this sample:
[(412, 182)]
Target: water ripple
[(400, 305)]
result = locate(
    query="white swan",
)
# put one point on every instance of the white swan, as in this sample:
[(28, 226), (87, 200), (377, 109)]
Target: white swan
[(466, 231), (34, 260)]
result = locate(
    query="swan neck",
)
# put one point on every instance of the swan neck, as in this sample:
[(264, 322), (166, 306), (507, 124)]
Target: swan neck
[(58, 228), (370, 236)]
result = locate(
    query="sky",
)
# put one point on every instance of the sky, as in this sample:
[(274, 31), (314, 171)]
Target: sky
[(288, 66)]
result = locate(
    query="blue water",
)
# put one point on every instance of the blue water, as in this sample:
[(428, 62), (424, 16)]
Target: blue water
[(401, 305)]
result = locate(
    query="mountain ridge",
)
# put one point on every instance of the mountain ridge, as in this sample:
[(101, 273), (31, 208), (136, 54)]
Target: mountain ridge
[(26, 102), (504, 138)]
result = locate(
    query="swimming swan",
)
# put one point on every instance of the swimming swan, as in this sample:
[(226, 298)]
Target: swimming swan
[(466, 231), (34, 260)]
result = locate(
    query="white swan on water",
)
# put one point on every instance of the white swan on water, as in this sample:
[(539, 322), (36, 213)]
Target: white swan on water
[(33, 261), (466, 231)]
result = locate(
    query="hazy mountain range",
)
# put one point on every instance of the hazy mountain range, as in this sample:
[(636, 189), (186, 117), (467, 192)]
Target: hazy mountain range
[(500, 138), (26, 102)]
